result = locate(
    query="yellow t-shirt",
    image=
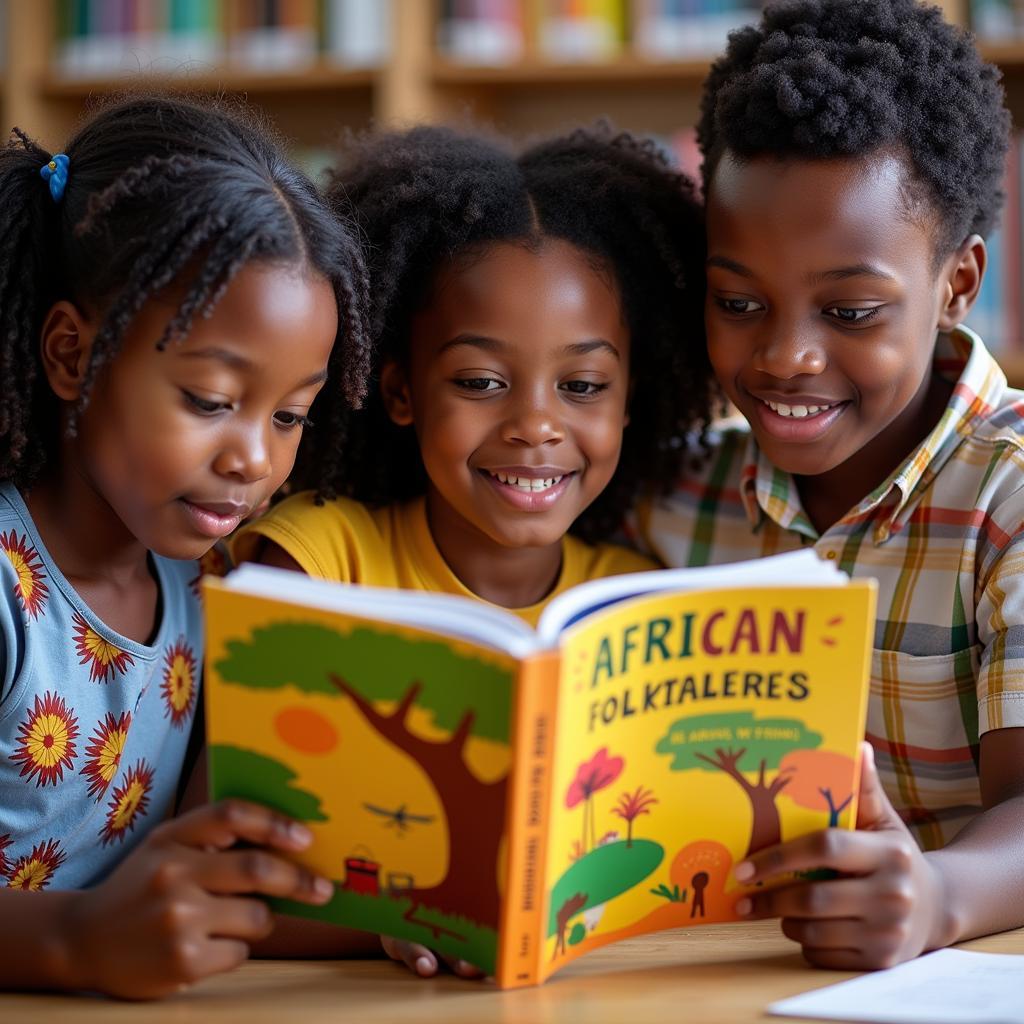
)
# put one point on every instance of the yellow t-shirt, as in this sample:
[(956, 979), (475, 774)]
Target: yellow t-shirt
[(345, 541)]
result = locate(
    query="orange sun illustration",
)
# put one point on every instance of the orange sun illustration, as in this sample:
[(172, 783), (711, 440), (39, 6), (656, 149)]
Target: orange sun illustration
[(107, 660), (180, 684), (106, 745), (128, 803), (35, 870), (47, 740), (30, 589)]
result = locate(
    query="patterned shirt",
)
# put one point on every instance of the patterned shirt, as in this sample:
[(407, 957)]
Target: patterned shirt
[(944, 537), (93, 726)]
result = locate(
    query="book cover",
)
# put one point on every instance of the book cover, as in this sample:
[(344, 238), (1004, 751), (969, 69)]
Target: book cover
[(516, 800)]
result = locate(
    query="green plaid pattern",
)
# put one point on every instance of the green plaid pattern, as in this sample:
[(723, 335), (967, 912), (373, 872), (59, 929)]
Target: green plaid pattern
[(944, 537)]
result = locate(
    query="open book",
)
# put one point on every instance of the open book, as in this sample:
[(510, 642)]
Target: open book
[(516, 797)]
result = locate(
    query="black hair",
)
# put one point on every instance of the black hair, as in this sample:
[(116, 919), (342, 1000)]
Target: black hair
[(160, 189), (846, 78), (431, 194)]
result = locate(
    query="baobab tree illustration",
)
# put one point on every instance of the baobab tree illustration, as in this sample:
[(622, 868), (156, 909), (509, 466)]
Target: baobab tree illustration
[(631, 806), (722, 742), (821, 780)]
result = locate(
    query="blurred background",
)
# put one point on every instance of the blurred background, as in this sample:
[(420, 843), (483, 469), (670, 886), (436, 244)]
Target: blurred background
[(524, 66)]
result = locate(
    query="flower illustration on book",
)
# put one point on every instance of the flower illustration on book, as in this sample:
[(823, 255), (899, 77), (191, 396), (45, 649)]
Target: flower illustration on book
[(47, 740), (180, 682), (30, 590), (105, 659), (106, 745), (129, 802), (35, 870), (591, 776)]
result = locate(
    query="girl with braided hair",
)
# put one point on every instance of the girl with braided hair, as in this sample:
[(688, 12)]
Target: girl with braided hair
[(539, 358), (174, 298)]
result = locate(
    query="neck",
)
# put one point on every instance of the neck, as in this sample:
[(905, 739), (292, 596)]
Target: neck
[(827, 497), (506, 576)]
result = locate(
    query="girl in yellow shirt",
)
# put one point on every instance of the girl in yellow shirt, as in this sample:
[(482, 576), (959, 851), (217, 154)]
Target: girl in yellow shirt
[(537, 321)]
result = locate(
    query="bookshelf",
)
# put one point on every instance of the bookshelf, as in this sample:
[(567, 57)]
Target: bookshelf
[(418, 82)]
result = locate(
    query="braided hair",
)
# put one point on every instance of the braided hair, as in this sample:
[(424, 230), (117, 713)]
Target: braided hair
[(429, 195), (160, 190)]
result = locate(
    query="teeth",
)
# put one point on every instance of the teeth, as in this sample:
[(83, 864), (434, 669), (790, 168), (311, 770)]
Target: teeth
[(530, 485), (797, 412)]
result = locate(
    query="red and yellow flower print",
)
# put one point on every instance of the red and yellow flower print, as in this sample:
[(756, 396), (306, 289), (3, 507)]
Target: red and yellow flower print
[(128, 804), (5, 841), (106, 745), (47, 740), (35, 870), (180, 683), (106, 659), (30, 590)]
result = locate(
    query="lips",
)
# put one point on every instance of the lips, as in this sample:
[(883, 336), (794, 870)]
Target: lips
[(529, 488), (228, 509)]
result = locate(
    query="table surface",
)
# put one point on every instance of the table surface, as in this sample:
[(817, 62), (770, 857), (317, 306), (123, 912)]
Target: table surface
[(718, 974)]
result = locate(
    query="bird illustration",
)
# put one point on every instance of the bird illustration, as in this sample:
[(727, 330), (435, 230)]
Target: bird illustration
[(400, 819)]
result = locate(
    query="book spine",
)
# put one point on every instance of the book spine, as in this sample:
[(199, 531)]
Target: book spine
[(521, 935)]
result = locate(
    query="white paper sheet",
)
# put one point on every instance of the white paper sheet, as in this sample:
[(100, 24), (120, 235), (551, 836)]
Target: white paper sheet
[(950, 986)]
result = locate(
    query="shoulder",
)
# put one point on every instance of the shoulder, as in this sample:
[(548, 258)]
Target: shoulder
[(321, 537)]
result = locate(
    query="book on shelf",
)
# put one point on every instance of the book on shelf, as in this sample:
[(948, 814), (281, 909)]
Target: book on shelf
[(570, 31), (681, 29), (997, 21), (357, 33), (483, 32), (517, 797)]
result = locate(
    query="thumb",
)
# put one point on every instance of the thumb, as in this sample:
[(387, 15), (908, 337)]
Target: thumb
[(874, 812)]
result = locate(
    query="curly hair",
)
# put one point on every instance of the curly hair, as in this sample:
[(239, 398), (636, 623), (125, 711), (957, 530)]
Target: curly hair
[(845, 78), (426, 196), (160, 190)]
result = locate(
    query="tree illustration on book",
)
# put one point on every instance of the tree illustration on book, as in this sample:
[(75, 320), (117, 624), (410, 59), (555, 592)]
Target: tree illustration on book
[(722, 742), (362, 678), (820, 779)]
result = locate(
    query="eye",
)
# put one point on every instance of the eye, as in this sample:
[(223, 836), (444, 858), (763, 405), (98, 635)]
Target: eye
[(584, 388), (478, 383), (738, 307), (204, 406), (290, 420), (852, 314)]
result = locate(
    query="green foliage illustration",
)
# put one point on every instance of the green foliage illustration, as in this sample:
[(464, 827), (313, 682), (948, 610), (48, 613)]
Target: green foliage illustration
[(251, 776), (604, 873), (379, 664), (673, 895), (578, 933)]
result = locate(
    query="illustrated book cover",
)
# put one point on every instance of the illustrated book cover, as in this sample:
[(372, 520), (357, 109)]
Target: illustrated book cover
[(516, 797)]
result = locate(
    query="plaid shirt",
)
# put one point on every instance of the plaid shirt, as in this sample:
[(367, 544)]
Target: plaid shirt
[(944, 537)]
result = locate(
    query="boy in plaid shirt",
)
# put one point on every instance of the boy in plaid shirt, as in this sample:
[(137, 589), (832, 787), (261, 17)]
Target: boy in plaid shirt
[(853, 158)]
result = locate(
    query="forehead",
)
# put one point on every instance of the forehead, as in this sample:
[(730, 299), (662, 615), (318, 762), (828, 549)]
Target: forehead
[(811, 211)]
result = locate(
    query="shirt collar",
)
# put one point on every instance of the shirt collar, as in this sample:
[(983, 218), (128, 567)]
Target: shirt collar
[(979, 385)]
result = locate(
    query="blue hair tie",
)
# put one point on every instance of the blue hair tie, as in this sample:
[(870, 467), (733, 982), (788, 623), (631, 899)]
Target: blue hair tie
[(56, 173)]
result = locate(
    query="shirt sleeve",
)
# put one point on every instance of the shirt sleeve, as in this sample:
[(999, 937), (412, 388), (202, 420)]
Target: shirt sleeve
[(1000, 622)]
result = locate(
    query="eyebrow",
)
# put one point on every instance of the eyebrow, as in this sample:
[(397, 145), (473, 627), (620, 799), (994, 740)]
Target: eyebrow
[(239, 362), (817, 277), (578, 348)]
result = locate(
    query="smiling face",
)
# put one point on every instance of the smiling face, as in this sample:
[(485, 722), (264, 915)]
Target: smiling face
[(823, 308), (181, 445), (516, 384)]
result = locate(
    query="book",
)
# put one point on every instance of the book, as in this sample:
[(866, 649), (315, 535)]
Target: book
[(516, 797)]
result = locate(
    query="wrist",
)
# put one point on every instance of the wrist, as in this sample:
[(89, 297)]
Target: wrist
[(947, 926)]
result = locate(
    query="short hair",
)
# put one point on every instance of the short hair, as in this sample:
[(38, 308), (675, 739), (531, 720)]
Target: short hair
[(846, 78), (159, 189), (425, 196)]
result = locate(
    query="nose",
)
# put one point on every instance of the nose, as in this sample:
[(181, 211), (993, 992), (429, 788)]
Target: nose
[(245, 453), (785, 350), (533, 419)]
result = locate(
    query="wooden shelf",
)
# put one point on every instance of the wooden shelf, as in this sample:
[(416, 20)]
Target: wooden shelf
[(315, 79), (1009, 56), (624, 70)]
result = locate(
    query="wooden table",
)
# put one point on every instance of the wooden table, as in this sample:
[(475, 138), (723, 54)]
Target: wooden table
[(714, 975)]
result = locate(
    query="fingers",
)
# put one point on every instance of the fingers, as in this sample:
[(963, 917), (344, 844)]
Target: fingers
[(239, 919), (849, 853), (215, 956), (845, 898), (460, 968), (845, 945), (417, 958), (257, 871), (227, 822)]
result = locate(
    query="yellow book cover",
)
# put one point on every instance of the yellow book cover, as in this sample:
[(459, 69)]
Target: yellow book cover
[(514, 797)]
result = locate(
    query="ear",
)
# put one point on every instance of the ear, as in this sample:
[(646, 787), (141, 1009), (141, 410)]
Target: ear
[(962, 276), (394, 391), (65, 346)]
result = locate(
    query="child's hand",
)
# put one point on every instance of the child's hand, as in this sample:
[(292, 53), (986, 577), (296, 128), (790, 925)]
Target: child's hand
[(423, 961), (886, 907), (181, 906)]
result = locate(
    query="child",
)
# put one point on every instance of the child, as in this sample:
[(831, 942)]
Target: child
[(537, 322), (853, 156), (169, 294)]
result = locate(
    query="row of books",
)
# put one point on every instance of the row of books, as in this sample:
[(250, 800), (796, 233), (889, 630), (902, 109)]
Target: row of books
[(504, 31), (998, 21), (100, 37)]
